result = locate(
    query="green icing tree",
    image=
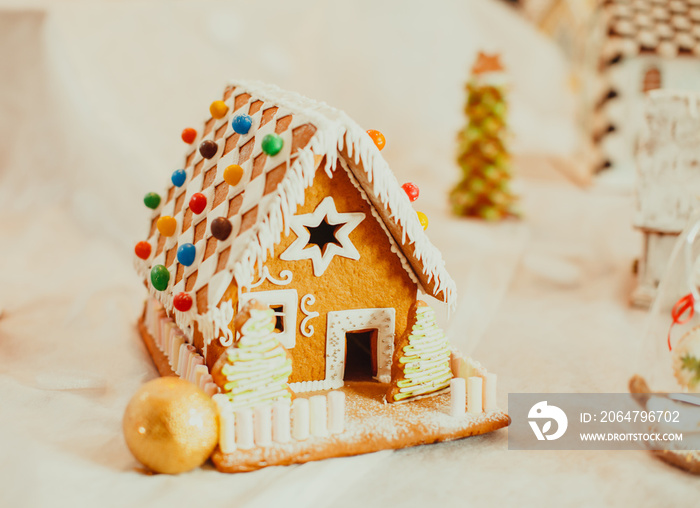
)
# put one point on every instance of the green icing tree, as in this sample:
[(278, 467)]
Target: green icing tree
[(484, 189), (422, 359), (257, 367)]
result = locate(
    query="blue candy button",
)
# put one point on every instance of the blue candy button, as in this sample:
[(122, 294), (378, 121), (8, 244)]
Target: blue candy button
[(241, 123), (178, 177), (186, 253)]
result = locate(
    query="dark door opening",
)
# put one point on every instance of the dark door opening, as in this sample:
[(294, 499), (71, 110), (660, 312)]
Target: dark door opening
[(360, 355), (279, 317)]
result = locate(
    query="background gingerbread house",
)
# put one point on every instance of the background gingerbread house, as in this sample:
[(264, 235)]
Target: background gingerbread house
[(316, 226), (617, 51), (635, 46), (564, 20), (668, 182)]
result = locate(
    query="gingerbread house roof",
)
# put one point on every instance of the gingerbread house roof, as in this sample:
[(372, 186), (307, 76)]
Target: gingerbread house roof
[(260, 204), (667, 28)]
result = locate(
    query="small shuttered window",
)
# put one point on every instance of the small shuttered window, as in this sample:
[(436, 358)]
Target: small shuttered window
[(652, 79)]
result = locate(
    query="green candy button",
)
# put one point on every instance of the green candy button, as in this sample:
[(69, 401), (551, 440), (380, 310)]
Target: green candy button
[(151, 200), (272, 144), (160, 276)]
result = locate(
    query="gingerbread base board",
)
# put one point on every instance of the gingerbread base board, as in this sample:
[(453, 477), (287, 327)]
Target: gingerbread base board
[(371, 425), (159, 359)]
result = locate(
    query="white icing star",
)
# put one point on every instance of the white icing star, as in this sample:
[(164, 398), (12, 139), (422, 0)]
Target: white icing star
[(300, 248)]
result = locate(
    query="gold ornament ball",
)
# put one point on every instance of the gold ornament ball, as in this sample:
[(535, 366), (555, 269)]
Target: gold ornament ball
[(170, 425)]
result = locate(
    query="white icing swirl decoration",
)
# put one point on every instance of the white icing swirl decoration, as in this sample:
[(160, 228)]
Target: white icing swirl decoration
[(285, 278), (305, 328)]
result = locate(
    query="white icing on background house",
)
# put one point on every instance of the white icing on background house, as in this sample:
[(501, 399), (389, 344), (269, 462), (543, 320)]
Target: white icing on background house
[(668, 181), (668, 161), (341, 322), (632, 47)]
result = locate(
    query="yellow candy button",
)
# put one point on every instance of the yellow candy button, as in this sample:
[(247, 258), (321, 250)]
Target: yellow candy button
[(166, 225), (233, 174), (423, 220), (218, 109)]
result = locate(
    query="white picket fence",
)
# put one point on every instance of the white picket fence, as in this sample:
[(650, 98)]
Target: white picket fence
[(182, 356), (280, 422), (472, 389)]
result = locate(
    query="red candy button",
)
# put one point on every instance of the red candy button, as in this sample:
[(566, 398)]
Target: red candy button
[(189, 135), (182, 302), (411, 190), (198, 202), (143, 250)]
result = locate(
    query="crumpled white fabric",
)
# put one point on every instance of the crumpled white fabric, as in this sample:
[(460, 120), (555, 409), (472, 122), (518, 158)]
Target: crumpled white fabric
[(93, 97)]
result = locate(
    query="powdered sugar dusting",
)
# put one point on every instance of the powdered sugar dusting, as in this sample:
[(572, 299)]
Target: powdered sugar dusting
[(371, 425)]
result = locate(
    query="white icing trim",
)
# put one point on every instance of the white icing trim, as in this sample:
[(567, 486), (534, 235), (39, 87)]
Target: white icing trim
[(185, 368), (306, 329), (395, 248), (300, 248), (286, 297), (312, 386), (214, 323), (335, 133), (267, 233), (343, 321), (286, 275), (668, 152)]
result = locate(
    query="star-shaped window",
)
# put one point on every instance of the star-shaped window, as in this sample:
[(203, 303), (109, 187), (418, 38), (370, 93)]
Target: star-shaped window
[(323, 234)]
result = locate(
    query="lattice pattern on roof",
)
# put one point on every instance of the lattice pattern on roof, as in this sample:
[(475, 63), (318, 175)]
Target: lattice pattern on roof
[(270, 190), (241, 203), (664, 27)]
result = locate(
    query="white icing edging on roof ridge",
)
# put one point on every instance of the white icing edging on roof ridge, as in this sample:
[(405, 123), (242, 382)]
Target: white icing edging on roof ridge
[(361, 148), (334, 129), (395, 247)]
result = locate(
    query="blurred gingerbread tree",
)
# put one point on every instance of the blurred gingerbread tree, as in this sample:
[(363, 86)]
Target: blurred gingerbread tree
[(483, 190)]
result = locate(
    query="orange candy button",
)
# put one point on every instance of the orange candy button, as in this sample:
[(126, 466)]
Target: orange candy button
[(143, 250), (189, 135), (218, 109), (423, 220), (166, 225), (378, 138), (233, 174)]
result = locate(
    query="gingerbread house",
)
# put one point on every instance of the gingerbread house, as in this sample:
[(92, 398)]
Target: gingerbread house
[(632, 47), (563, 20), (668, 182), (288, 201)]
